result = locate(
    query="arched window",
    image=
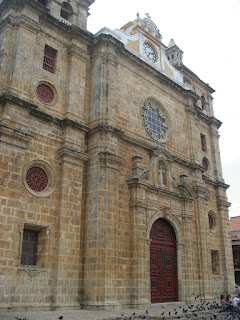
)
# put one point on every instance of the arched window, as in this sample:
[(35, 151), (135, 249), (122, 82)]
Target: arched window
[(205, 164), (66, 11), (203, 101), (210, 221)]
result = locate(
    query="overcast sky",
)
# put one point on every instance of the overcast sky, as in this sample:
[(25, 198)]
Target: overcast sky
[(208, 33)]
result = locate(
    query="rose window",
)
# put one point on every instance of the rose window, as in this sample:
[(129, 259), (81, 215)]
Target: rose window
[(37, 179), (45, 93), (154, 121)]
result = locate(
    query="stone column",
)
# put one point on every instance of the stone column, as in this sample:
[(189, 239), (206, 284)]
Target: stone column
[(103, 93), (187, 272), (76, 90), (214, 136), (227, 256), (100, 247), (140, 250), (69, 225), (202, 262), (193, 139)]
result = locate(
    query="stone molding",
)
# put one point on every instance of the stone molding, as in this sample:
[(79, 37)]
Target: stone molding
[(223, 204), (110, 160), (33, 109), (72, 156), (22, 137), (174, 221), (73, 50)]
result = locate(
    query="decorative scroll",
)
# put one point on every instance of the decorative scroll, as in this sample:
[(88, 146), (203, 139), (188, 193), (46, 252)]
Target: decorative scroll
[(37, 179)]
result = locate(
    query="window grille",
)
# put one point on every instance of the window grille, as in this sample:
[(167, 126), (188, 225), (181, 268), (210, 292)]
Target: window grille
[(49, 59), (29, 247)]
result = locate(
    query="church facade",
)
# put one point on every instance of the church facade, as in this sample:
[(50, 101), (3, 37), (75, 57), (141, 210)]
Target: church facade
[(111, 184)]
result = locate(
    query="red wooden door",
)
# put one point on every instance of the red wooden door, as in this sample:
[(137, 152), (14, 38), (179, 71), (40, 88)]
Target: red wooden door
[(163, 262)]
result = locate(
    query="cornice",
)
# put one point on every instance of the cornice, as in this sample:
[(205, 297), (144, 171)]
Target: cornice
[(107, 158), (211, 120), (71, 153), (145, 145), (216, 183), (133, 182), (15, 133), (223, 204), (183, 67), (102, 37), (34, 110)]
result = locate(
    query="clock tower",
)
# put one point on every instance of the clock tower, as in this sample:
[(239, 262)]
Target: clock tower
[(142, 37)]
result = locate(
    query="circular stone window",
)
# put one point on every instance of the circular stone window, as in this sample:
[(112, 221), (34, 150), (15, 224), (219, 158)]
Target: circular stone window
[(45, 93), (38, 178), (155, 121)]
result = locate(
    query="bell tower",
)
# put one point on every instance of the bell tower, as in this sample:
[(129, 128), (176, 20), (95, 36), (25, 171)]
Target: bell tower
[(69, 12), (174, 53)]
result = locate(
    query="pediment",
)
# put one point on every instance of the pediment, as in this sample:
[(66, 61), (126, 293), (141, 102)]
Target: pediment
[(184, 191)]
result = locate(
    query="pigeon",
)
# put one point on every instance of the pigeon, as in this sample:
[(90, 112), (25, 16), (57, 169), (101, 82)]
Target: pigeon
[(61, 317), (162, 313), (146, 311)]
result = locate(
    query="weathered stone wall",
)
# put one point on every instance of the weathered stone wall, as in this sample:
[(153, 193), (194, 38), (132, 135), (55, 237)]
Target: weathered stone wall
[(104, 192)]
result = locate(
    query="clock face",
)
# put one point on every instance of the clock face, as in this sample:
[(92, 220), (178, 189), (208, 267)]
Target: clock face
[(149, 52)]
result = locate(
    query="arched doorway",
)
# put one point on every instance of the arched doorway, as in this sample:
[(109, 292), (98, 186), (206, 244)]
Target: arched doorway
[(163, 262)]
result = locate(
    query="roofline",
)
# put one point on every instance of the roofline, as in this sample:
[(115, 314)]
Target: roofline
[(182, 66)]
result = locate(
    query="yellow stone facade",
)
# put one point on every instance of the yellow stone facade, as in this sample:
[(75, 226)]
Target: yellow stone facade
[(104, 191)]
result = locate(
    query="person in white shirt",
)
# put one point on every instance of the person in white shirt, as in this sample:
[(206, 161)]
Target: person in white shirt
[(235, 302)]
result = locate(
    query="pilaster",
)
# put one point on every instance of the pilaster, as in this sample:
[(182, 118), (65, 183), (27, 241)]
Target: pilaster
[(69, 226), (101, 231), (77, 66), (227, 257), (202, 263), (140, 249), (104, 88)]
